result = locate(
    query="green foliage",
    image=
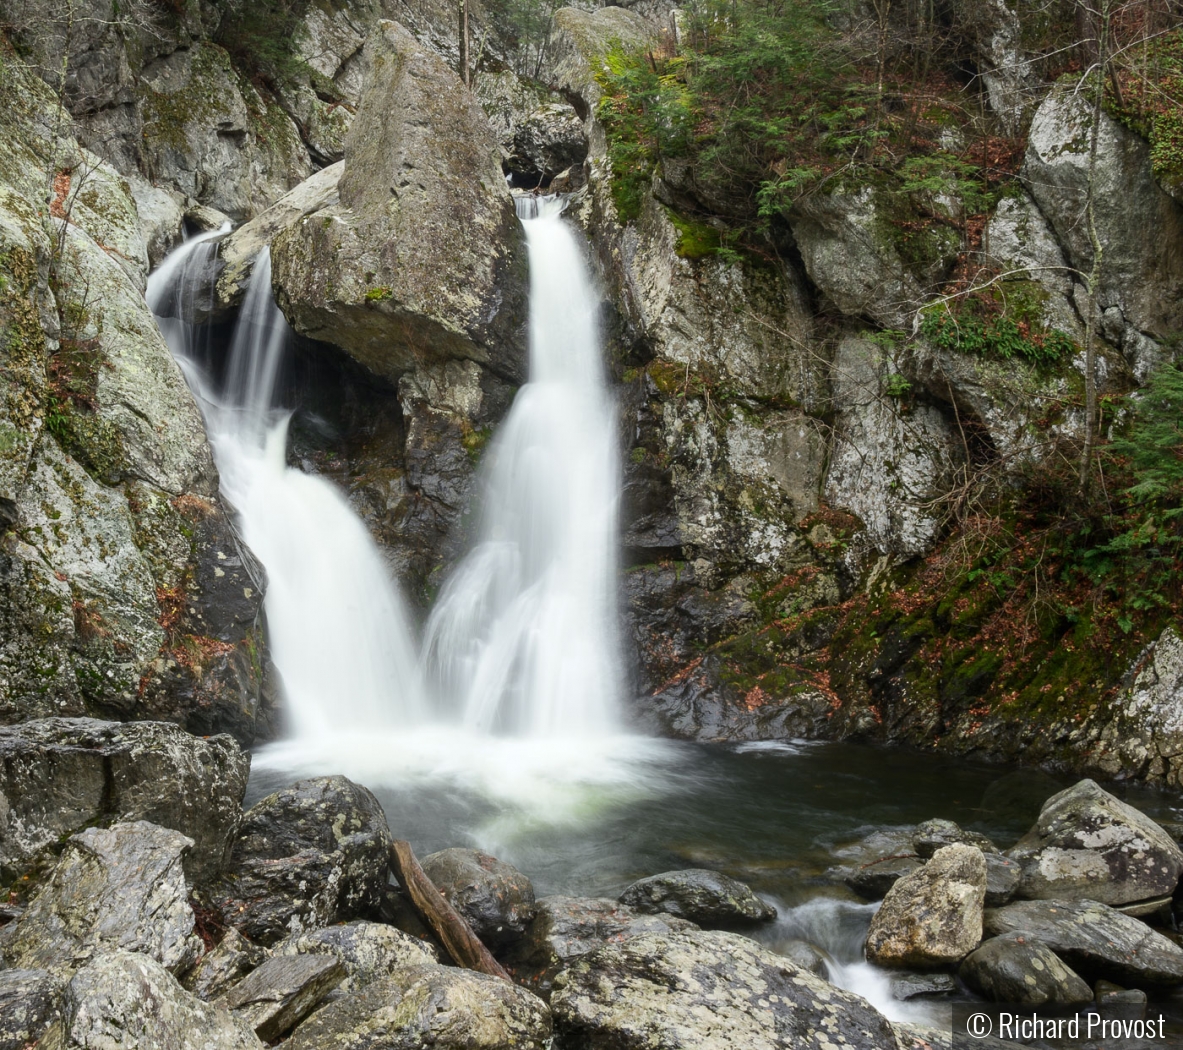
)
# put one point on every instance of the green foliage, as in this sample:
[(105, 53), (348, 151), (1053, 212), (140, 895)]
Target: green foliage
[(896, 385), (261, 35), (1001, 337), (378, 294)]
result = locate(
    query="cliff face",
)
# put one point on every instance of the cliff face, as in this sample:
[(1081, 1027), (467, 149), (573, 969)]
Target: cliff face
[(815, 454)]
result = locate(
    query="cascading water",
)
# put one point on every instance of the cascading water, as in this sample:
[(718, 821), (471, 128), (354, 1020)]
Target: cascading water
[(523, 636), (337, 629)]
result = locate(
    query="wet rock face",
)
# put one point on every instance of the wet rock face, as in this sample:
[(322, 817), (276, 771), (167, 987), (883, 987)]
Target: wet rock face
[(706, 989), (434, 1006), (224, 965), (495, 898), (30, 1008), (1094, 939), (933, 915), (310, 855), (280, 993), (707, 898), (547, 141), (423, 258), (1088, 845), (1016, 969), (874, 880), (123, 1001), (59, 775), (566, 928), (114, 888)]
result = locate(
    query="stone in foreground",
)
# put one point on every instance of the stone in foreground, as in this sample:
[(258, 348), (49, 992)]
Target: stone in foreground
[(1088, 845), (705, 897), (933, 916), (436, 1006), (367, 950), (565, 928), (1094, 939), (30, 1008), (310, 855), (124, 1001), (1015, 969), (113, 888), (495, 898), (278, 995), (706, 989), (227, 964), (59, 775)]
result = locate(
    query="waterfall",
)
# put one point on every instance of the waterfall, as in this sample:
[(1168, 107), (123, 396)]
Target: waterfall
[(337, 629), (523, 636)]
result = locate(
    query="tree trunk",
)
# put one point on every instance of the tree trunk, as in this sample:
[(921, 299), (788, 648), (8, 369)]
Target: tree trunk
[(463, 16)]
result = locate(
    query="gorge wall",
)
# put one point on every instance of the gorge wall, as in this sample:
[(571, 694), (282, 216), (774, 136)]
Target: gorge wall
[(809, 454)]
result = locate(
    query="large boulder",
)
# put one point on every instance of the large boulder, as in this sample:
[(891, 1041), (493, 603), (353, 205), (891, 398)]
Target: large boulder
[(430, 1005), (707, 898), (1094, 939), (367, 950), (223, 965), (495, 898), (1142, 275), (114, 888), (309, 855), (126, 1001), (566, 928), (706, 989), (1015, 969), (30, 1008), (422, 259), (934, 915), (59, 775), (279, 994), (1088, 845)]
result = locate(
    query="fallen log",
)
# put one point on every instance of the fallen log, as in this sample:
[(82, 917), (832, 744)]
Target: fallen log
[(465, 947)]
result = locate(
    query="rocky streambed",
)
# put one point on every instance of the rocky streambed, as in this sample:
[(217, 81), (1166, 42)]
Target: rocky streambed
[(148, 909)]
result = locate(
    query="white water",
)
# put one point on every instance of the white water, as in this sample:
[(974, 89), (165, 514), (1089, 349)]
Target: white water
[(523, 637), (338, 633)]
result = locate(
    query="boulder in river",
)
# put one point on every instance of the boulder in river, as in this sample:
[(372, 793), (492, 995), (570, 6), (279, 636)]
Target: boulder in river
[(30, 1008), (119, 887), (933, 916), (873, 880), (1014, 968), (126, 1001), (422, 258), (59, 775), (495, 898), (1094, 939), (565, 928), (309, 855), (430, 1005), (367, 950), (278, 995), (1002, 879), (933, 835), (706, 989), (1089, 845), (707, 898)]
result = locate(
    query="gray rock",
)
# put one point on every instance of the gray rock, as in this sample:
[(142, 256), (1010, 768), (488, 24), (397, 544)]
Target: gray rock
[(549, 140), (113, 888), (933, 835), (30, 1009), (565, 928), (872, 881), (934, 915), (58, 775), (422, 259), (905, 986), (924, 1037), (1002, 879), (280, 993), (224, 965), (1112, 996), (367, 950), (707, 898), (1014, 968), (806, 956), (1088, 845), (310, 855), (125, 1001), (161, 215), (706, 989), (430, 1005), (1094, 939), (495, 898)]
